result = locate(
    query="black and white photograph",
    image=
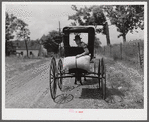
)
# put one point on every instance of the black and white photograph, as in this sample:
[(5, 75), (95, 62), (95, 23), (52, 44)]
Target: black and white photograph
[(74, 60)]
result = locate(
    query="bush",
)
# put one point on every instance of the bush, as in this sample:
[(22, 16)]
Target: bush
[(115, 57)]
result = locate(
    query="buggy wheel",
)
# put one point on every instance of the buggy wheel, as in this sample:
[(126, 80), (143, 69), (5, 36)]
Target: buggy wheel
[(60, 68), (103, 77), (52, 78), (99, 74)]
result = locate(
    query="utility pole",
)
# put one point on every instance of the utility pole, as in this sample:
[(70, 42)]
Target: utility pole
[(59, 29), (26, 42), (60, 40)]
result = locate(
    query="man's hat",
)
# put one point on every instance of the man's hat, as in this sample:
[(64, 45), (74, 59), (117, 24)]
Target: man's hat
[(77, 37)]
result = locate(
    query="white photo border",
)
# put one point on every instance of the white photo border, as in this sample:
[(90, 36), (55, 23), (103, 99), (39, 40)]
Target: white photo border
[(65, 114)]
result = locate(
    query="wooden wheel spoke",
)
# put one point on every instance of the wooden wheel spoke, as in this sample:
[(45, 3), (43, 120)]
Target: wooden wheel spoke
[(52, 80), (51, 75)]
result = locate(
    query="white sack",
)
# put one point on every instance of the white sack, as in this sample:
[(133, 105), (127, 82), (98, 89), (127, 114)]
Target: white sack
[(82, 62)]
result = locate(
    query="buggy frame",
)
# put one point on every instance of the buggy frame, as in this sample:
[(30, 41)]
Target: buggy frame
[(56, 73)]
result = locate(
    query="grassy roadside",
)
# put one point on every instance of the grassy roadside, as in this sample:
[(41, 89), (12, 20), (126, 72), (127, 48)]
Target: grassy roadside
[(125, 84), (15, 66), (127, 53)]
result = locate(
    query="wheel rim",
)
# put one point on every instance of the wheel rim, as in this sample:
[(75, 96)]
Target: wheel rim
[(60, 67), (102, 67), (52, 79), (103, 82), (99, 74), (103, 88)]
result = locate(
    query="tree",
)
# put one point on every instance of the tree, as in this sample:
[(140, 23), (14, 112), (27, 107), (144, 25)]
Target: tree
[(93, 15), (15, 26), (139, 13), (10, 28), (126, 18), (100, 19), (23, 32), (50, 42)]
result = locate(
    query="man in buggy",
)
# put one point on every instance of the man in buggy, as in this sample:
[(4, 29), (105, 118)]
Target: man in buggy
[(86, 52)]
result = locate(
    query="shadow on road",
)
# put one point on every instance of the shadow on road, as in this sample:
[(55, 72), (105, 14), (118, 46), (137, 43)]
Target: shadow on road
[(88, 93), (63, 98), (68, 88), (96, 93), (91, 92), (90, 81)]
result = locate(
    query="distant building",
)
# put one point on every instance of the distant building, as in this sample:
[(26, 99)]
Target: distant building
[(34, 49)]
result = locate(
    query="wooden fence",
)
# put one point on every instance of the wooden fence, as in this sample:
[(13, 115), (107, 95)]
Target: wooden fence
[(130, 51)]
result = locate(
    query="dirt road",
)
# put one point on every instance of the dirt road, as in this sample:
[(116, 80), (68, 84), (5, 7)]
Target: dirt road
[(30, 89)]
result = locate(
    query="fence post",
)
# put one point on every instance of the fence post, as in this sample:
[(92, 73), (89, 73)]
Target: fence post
[(139, 53), (121, 50), (104, 50), (110, 49), (140, 57), (139, 49)]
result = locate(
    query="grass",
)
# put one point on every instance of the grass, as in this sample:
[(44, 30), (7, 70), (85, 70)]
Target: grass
[(15, 65)]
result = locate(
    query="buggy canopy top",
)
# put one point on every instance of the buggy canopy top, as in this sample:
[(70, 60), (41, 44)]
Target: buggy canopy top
[(79, 29)]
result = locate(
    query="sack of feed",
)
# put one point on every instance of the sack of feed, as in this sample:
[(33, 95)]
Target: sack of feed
[(73, 62)]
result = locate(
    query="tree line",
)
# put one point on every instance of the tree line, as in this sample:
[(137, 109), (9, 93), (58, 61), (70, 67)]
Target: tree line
[(127, 18), (17, 28)]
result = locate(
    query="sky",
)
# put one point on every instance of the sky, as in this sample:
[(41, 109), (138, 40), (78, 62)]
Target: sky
[(43, 18)]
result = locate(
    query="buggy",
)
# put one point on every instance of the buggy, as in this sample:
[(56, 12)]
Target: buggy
[(57, 73)]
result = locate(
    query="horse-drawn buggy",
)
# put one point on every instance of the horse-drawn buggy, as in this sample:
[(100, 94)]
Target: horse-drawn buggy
[(77, 67)]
